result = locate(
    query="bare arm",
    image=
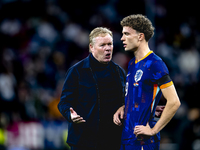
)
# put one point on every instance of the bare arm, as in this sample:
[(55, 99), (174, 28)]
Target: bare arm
[(171, 107)]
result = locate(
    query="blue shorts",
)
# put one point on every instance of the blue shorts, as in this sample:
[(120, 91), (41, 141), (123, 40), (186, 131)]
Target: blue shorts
[(152, 146)]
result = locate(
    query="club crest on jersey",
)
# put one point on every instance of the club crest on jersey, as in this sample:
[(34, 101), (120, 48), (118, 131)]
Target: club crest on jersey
[(137, 77)]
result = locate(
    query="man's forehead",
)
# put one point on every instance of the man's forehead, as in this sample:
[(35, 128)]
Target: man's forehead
[(103, 37), (128, 29)]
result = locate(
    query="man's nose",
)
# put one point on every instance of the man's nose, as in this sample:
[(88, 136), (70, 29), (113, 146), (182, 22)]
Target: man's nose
[(122, 38), (108, 47)]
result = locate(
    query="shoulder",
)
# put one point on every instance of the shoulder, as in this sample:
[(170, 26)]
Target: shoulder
[(82, 63), (158, 67), (157, 61), (155, 57), (78, 66)]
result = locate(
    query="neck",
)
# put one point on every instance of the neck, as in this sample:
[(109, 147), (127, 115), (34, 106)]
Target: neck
[(98, 62), (142, 50)]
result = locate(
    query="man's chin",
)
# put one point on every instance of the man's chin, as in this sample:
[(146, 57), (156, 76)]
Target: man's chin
[(106, 61), (130, 50), (126, 49)]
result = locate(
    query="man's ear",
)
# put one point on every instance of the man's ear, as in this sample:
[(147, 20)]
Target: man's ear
[(141, 36), (91, 47)]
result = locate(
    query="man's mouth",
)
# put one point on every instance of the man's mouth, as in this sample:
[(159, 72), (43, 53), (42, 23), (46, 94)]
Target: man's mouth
[(108, 55)]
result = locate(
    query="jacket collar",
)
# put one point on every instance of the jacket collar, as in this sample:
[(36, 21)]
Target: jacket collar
[(86, 62)]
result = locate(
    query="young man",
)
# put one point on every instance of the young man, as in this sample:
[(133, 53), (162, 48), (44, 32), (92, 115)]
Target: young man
[(147, 78), (92, 93)]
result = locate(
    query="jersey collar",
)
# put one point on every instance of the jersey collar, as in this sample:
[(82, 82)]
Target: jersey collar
[(136, 61)]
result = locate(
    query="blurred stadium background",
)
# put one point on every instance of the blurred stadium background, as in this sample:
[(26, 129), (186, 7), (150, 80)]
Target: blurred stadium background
[(41, 39)]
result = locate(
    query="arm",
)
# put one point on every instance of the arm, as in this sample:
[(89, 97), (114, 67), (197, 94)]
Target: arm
[(69, 94), (171, 107)]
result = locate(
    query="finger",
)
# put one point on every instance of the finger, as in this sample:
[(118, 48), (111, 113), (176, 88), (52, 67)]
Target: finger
[(137, 132), (122, 115), (71, 110), (114, 120), (75, 117), (162, 107), (117, 121), (157, 114), (138, 129), (118, 124), (79, 120), (138, 126)]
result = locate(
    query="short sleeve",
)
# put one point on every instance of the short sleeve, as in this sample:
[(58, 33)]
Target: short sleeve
[(161, 74)]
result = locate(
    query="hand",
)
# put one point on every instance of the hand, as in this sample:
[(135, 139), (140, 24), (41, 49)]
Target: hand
[(144, 130), (118, 115), (76, 118), (159, 110)]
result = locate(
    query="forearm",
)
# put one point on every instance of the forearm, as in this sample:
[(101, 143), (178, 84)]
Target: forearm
[(69, 94), (171, 107), (168, 113), (64, 110)]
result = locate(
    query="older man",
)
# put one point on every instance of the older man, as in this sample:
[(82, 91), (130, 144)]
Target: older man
[(93, 91)]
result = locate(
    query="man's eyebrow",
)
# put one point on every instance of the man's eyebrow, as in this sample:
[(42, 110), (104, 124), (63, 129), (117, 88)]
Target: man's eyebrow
[(106, 43), (125, 32)]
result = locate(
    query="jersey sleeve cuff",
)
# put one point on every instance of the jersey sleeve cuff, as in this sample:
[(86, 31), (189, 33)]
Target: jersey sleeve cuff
[(166, 85)]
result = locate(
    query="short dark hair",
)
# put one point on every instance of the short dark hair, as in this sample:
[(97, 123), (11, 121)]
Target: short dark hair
[(139, 23)]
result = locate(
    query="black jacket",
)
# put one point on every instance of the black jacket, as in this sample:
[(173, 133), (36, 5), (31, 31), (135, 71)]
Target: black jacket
[(81, 92)]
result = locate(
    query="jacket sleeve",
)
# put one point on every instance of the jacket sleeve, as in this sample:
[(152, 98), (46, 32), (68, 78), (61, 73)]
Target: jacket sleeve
[(123, 82), (69, 93)]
